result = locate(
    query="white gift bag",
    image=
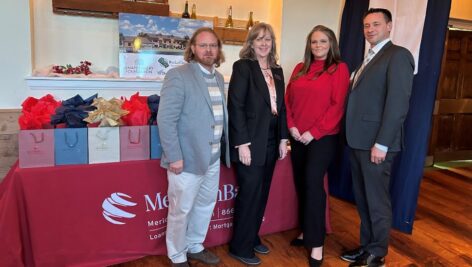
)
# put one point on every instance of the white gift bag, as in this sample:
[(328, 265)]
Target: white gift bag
[(104, 144)]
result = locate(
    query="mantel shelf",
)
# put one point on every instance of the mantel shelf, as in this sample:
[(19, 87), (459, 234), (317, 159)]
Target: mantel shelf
[(64, 88), (110, 8), (61, 83)]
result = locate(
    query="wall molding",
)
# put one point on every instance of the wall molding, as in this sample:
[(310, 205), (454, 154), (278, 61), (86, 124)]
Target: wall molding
[(63, 88), (460, 24), (60, 83)]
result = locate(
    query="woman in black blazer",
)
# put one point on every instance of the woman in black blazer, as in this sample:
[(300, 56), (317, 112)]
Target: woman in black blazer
[(257, 135)]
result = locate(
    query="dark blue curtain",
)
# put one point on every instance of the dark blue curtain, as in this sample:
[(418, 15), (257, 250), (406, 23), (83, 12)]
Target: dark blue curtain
[(408, 167), (351, 44), (409, 170), (351, 39)]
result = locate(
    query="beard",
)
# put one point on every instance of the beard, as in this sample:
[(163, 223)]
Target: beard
[(207, 60)]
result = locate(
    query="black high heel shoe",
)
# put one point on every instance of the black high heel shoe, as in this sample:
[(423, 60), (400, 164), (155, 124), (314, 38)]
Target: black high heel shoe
[(314, 262)]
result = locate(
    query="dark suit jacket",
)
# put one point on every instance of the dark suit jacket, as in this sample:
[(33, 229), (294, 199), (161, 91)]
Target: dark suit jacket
[(249, 109), (378, 103)]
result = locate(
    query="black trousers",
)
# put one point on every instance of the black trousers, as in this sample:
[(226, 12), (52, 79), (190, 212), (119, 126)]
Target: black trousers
[(371, 183), (310, 163), (249, 207)]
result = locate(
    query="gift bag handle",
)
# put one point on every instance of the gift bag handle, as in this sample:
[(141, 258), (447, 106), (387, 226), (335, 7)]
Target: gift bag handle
[(73, 144), (130, 139), (36, 139), (102, 138)]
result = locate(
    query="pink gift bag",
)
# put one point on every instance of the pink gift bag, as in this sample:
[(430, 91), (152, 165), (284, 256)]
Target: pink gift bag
[(134, 143), (36, 148)]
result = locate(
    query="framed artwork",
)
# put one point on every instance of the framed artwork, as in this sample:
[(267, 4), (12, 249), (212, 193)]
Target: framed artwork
[(151, 45)]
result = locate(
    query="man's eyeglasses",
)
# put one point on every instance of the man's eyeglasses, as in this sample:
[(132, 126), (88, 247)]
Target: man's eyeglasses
[(205, 46)]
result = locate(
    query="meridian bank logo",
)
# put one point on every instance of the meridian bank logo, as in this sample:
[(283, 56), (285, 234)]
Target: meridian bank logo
[(112, 208), (116, 206)]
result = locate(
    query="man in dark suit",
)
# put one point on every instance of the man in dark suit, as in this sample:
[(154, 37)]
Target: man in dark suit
[(377, 106)]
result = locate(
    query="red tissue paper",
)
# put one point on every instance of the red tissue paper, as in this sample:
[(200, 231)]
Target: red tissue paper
[(139, 112), (36, 113)]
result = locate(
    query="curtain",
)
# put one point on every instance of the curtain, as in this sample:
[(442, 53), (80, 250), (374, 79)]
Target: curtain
[(351, 44), (408, 169)]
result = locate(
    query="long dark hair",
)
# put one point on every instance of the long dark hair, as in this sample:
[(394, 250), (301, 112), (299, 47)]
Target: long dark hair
[(332, 59)]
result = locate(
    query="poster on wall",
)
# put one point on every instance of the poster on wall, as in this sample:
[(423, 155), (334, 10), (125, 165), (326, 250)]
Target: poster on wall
[(152, 45)]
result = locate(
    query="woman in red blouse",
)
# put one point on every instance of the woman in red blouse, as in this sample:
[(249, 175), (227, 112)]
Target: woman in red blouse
[(315, 106)]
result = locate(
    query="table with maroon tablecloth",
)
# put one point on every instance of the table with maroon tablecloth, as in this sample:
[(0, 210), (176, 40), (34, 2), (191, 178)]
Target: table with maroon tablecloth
[(70, 215)]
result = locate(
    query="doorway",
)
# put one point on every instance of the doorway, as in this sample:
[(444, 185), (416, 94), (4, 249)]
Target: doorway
[(451, 134)]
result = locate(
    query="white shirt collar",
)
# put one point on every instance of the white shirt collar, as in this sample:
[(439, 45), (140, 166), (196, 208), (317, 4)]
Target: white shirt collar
[(205, 70), (379, 46)]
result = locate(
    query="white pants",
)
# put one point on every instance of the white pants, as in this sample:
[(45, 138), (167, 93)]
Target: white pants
[(191, 201)]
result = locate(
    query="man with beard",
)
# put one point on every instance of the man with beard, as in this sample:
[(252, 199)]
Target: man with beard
[(192, 120)]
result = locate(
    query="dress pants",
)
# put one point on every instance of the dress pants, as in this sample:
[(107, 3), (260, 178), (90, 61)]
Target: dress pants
[(191, 201), (310, 163), (371, 187), (254, 186)]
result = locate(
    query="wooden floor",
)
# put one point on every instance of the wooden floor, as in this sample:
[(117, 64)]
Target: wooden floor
[(442, 234)]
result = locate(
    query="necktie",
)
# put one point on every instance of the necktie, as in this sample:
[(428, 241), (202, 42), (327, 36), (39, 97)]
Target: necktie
[(370, 55)]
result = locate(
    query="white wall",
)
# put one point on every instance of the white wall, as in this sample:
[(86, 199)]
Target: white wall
[(275, 19), (64, 39), (60, 39), (15, 55), (298, 20)]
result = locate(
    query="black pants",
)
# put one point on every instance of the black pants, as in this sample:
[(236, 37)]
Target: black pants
[(371, 183), (310, 163), (254, 185)]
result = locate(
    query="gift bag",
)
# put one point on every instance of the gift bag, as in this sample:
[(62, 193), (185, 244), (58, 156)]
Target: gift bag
[(36, 148), (103, 144), (71, 146), (134, 143), (156, 149)]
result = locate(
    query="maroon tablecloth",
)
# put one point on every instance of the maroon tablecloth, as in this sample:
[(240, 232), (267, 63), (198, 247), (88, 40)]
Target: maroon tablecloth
[(57, 216)]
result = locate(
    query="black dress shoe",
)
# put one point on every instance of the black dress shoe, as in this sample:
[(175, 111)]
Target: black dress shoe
[(352, 255), (248, 261), (297, 242), (261, 249), (368, 260), (314, 262)]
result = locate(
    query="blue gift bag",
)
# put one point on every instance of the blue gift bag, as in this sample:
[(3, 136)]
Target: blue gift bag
[(156, 149), (71, 146)]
